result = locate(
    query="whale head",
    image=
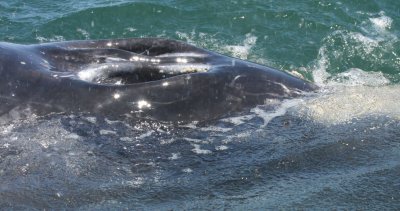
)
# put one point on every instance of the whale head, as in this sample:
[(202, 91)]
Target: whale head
[(147, 78)]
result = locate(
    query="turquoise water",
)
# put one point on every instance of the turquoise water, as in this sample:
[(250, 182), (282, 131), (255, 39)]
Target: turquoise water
[(340, 150)]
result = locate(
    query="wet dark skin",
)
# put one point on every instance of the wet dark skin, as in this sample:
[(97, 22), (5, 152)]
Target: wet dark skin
[(153, 78)]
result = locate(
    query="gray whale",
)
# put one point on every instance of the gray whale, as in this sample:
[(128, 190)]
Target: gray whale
[(142, 77)]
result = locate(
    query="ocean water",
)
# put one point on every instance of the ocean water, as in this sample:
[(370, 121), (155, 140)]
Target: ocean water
[(339, 149)]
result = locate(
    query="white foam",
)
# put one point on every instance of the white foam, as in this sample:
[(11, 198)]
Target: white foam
[(320, 74), (131, 29), (236, 136), (215, 129), (364, 44), (383, 22), (92, 119), (187, 170), (137, 182), (221, 148), (144, 135), (84, 33), (355, 44), (346, 103), (242, 51), (357, 77), (110, 122), (197, 141), (198, 150), (267, 116), (238, 120), (354, 93), (72, 136), (127, 139), (175, 156), (107, 132), (56, 38), (6, 129), (378, 26), (187, 37), (167, 141)]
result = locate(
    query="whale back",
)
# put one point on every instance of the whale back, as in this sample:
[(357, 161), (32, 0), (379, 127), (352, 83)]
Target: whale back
[(145, 77)]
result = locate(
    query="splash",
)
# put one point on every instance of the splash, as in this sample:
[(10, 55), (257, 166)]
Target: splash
[(383, 22), (371, 49), (242, 51), (353, 90)]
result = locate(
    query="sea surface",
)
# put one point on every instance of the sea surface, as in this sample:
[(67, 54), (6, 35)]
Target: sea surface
[(337, 150)]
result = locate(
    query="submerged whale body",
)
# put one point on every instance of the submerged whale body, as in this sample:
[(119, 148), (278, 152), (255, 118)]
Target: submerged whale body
[(154, 78)]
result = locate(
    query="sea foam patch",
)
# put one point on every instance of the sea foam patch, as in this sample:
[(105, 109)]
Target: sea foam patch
[(346, 103), (382, 22)]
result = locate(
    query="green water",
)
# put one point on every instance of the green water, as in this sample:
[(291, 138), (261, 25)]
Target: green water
[(337, 151)]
